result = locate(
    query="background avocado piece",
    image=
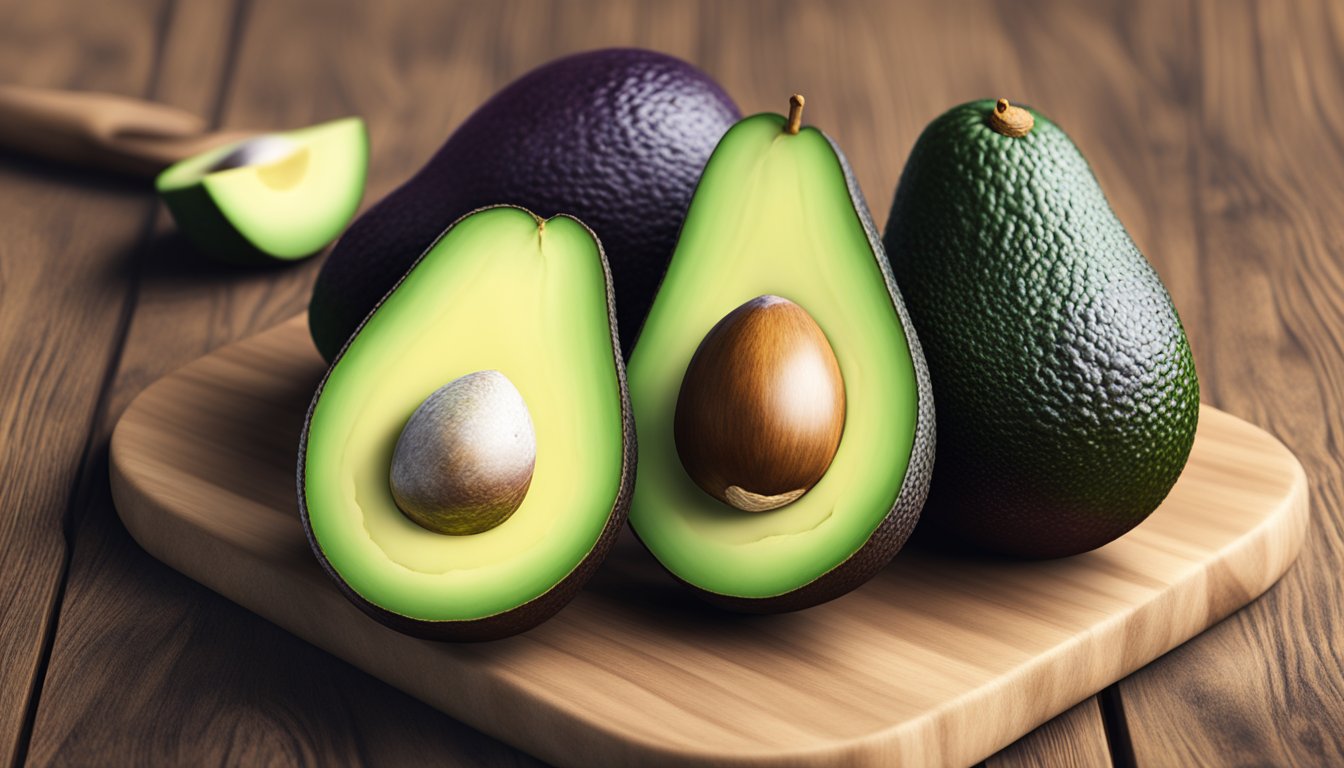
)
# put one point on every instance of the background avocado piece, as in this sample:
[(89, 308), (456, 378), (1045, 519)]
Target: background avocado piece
[(500, 290), (1066, 389), (615, 137), (781, 214), (283, 206)]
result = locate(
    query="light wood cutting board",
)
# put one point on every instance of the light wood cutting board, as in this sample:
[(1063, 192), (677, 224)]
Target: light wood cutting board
[(938, 661)]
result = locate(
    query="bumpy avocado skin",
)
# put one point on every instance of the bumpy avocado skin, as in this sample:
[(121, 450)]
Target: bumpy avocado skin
[(543, 607), (615, 137), (1067, 395), (197, 215)]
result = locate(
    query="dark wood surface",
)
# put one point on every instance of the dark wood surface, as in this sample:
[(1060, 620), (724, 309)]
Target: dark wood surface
[(1216, 129)]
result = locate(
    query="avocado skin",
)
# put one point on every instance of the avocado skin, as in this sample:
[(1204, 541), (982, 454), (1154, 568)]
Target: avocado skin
[(544, 606), (197, 215), (891, 534), (1067, 390), (615, 137)]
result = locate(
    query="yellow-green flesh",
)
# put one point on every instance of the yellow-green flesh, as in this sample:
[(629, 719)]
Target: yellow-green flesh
[(772, 215), (291, 207), (496, 292)]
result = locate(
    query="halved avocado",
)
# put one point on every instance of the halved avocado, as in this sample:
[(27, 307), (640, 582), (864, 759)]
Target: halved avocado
[(501, 290), (280, 196), (778, 215)]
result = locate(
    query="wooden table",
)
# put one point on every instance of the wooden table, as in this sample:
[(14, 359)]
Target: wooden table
[(1216, 129)]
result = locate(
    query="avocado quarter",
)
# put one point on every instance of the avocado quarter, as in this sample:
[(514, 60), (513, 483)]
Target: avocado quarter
[(500, 291), (777, 219), (1067, 393), (275, 197)]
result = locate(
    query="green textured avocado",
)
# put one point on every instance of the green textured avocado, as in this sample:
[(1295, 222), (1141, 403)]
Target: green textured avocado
[(783, 408), (468, 459), (1067, 396), (274, 197)]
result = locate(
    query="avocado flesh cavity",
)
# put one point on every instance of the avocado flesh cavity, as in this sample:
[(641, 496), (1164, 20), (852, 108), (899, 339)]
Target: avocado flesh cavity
[(499, 291), (1066, 389), (289, 205), (778, 214)]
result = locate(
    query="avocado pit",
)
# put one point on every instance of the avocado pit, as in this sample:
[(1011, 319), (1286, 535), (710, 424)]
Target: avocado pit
[(762, 406), (464, 461)]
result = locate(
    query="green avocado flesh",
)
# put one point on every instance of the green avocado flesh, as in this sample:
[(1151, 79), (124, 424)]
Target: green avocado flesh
[(773, 214), (499, 291), (278, 209)]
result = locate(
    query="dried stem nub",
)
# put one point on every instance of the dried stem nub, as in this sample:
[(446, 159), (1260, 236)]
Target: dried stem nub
[(1011, 121), (796, 102)]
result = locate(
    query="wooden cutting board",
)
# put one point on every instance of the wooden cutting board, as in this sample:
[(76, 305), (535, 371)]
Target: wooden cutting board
[(938, 661)]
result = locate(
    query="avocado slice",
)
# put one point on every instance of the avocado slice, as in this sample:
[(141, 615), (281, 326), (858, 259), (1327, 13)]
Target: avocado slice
[(275, 197), (500, 291), (1067, 393), (778, 216)]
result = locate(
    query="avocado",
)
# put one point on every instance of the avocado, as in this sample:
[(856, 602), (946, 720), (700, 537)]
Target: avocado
[(1067, 396), (468, 459), (274, 197), (615, 137), (777, 330)]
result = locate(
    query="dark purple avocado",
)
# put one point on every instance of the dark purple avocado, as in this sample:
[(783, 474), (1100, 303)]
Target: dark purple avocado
[(617, 138)]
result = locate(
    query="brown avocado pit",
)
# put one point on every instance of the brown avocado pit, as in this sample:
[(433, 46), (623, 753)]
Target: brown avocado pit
[(465, 458), (762, 406)]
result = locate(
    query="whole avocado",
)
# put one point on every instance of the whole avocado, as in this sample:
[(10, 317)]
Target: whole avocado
[(616, 137), (1066, 391)]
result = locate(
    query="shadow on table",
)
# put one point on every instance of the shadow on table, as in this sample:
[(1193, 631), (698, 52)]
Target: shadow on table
[(40, 169)]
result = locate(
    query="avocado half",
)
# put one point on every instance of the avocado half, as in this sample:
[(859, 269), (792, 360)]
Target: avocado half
[(501, 290), (779, 215), (287, 205)]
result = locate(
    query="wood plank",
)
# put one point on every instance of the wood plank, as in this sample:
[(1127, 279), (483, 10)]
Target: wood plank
[(63, 294), (1267, 685), (656, 28), (1117, 76), (1075, 739), (938, 660), (137, 643), (889, 70)]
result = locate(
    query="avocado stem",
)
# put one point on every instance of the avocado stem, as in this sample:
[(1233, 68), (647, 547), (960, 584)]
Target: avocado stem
[(796, 102), (1014, 122)]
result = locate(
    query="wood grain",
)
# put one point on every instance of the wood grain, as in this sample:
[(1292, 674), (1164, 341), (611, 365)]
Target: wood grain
[(1118, 76), (1075, 739), (1268, 684), (136, 643), (63, 295), (937, 661), (1214, 129)]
